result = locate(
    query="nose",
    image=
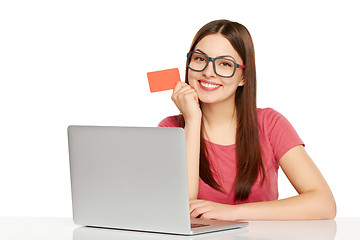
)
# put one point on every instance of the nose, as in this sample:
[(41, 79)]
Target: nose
[(209, 70)]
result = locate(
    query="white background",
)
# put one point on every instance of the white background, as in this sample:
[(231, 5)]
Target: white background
[(85, 62)]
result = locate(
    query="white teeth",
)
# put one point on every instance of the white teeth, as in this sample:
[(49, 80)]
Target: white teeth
[(208, 85)]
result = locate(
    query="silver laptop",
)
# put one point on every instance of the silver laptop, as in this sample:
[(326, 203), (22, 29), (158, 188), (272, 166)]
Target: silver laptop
[(133, 178)]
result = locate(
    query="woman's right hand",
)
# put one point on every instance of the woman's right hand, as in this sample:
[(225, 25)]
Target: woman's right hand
[(186, 100)]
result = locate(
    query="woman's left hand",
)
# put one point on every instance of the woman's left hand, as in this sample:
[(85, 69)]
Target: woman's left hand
[(212, 210)]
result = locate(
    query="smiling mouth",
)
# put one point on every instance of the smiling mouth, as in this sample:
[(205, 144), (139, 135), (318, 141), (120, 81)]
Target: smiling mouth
[(209, 86)]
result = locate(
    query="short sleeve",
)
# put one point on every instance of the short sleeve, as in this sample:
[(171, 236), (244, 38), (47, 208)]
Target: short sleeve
[(171, 121), (280, 133)]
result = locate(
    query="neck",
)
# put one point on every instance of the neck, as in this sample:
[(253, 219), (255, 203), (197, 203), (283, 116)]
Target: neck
[(219, 114)]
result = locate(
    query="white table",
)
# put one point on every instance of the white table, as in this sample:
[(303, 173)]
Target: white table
[(64, 229)]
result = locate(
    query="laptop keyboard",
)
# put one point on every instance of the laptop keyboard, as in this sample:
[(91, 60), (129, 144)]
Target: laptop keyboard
[(196, 225)]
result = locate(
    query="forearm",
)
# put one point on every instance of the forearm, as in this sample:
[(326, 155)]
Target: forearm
[(192, 133), (307, 206)]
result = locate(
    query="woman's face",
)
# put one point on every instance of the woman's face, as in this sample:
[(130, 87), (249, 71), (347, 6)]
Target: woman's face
[(210, 87)]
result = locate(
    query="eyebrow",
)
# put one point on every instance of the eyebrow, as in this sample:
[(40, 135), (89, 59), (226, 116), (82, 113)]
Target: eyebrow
[(222, 56)]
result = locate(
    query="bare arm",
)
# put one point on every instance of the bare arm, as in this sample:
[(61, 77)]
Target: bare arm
[(315, 199), (192, 132), (186, 100)]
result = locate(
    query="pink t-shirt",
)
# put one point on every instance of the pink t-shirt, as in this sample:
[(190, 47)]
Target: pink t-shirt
[(277, 136)]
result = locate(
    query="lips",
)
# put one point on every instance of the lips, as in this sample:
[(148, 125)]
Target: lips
[(208, 85)]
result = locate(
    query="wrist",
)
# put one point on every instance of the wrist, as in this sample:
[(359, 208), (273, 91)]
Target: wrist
[(194, 120), (239, 212)]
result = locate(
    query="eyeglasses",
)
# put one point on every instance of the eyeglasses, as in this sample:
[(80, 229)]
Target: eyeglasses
[(223, 67)]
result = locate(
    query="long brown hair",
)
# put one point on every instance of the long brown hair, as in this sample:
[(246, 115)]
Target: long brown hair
[(248, 150)]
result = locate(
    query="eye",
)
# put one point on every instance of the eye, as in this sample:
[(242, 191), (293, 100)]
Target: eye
[(226, 64), (200, 59)]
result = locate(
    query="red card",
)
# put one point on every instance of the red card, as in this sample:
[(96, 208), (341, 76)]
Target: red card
[(163, 80)]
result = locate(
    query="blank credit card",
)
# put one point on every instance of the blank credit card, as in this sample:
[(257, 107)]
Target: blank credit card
[(163, 80)]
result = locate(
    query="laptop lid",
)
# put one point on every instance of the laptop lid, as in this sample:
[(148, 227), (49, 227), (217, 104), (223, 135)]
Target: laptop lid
[(130, 178)]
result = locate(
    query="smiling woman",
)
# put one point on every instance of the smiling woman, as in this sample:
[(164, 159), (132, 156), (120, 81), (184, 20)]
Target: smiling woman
[(234, 149)]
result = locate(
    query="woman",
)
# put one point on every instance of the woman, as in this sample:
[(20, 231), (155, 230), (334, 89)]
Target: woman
[(234, 150)]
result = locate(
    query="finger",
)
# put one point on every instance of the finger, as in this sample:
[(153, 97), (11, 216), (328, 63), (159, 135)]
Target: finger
[(198, 212), (199, 206), (189, 94), (183, 90), (196, 203), (179, 85), (195, 96), (180, 90), (184, 93), (208, 215), (193, 204), (195, 214)]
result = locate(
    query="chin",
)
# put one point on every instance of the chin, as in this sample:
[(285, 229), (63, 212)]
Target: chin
[(206, 100)]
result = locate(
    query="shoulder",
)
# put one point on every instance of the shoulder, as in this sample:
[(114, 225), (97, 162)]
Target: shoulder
[(270, 119), (278, 131), (171, 121), (268, 115)]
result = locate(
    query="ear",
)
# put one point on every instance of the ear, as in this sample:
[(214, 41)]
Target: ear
[(242, 82)]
